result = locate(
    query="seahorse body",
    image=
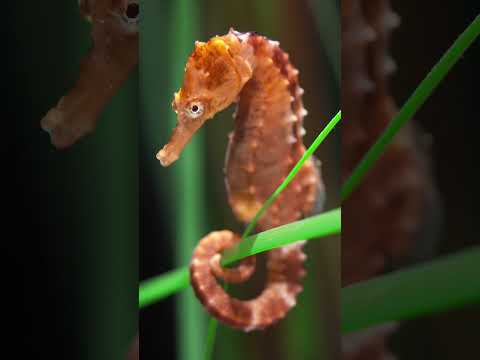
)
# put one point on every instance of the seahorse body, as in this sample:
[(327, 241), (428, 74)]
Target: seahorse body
[(102, 71), (381, 217), (263, 148)]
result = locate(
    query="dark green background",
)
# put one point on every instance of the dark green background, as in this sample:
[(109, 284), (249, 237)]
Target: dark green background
[(70, 275)]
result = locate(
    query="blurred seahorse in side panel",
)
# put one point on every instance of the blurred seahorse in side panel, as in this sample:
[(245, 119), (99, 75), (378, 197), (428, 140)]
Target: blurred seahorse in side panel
[(103, 70), (265, 145), (382, 218)]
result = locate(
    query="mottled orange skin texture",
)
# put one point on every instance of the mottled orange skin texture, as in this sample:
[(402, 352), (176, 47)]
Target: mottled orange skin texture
[(103, 70), (264, 146), (380, 219)]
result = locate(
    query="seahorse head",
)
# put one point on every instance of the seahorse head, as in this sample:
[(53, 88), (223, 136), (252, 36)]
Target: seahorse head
[(214, 76), (125, 12)]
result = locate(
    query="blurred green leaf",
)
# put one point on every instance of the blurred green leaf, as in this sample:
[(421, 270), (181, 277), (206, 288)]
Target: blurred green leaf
[(441, 285)]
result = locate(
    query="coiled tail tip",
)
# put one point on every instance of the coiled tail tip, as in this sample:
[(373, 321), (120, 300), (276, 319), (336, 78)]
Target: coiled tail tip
[(285, 270)]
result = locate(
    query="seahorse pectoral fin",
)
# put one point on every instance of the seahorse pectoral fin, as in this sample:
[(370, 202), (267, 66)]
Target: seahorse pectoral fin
[(180, 137)]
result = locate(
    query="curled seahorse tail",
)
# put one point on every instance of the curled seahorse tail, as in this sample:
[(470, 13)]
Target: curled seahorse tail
[(284, 273)]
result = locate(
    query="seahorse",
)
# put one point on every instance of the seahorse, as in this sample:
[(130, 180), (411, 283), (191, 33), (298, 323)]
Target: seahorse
[(104, 69), (381, 218), (266, 143)]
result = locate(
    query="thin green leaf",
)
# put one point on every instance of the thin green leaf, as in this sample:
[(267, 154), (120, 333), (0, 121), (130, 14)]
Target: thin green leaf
[(328, 223), (161, 286), (416, 100)]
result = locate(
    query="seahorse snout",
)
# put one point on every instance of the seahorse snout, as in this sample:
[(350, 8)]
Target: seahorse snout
[(180, 137)]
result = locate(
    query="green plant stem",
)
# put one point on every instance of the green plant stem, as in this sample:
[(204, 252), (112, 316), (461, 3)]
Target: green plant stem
[(327, 22), (329, 223), (416, 100), (440, 285), (188, 187), (311, 149), (161, 286), (211, 335)]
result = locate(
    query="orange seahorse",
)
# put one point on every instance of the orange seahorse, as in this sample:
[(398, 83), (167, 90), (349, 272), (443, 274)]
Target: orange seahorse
[(382, 218), (113, 55), (266, 143)]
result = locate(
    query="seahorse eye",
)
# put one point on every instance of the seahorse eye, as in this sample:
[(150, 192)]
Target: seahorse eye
[(133, 10), (131, 16), (195, 109)]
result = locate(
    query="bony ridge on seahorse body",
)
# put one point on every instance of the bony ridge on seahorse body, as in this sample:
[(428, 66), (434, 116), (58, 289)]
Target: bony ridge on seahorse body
[(266, 143)]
